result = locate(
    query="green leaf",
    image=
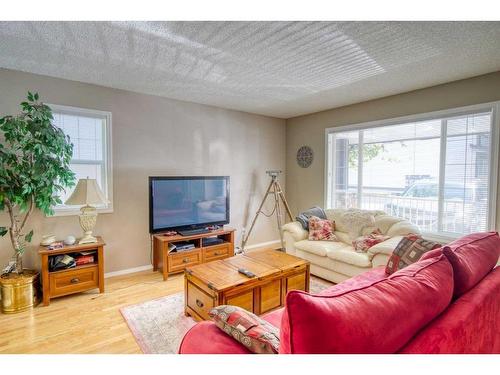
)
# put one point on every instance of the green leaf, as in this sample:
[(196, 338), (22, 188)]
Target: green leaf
[(3, 231), (34, 158), (29, 236)]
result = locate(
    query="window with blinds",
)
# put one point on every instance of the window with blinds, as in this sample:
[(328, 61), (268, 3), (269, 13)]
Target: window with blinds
[(89, 132), (438, 173)]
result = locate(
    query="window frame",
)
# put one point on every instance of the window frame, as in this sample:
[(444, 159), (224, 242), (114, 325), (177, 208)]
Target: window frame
[(107, 163), (447, 114)]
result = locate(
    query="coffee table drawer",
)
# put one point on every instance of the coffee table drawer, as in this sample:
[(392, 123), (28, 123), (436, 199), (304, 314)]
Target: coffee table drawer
[(296, 282), (215, 252), (270, 296), (71, 281), (199, 301), (177, 262), (243, 300)]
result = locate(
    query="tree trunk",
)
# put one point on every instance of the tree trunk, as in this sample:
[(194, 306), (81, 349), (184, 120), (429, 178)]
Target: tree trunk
[(19, 263)]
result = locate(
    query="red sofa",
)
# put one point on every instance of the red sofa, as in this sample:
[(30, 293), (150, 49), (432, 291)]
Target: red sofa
[(448, 302)]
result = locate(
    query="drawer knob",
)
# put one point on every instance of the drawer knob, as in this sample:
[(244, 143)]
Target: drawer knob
[(216, 253), (199, 303), (185, 260), (75, 280)]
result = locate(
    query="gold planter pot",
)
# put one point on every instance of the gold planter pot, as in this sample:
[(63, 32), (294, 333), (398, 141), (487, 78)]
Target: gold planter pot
[(19, 292)]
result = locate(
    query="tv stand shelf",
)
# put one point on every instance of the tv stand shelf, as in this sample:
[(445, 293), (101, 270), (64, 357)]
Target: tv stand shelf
[(176, 262)]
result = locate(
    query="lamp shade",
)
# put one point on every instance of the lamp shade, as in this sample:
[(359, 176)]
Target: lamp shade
[(86, 192)]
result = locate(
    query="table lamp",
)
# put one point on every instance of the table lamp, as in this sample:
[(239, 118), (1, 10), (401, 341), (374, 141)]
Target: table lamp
[(87, 193)]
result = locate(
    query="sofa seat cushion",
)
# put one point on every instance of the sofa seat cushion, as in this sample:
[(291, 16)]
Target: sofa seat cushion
[(349, 256), (380, 317), (472, 257), (320, 248), (345, 269)]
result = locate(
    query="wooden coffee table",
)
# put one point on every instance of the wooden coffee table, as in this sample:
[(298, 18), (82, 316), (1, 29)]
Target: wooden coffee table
[(219, 282)]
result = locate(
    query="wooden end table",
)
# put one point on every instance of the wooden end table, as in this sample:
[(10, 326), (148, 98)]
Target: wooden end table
[(76, 279)]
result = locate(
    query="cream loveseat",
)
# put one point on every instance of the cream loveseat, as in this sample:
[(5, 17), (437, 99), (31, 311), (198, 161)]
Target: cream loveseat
[(336, 260)]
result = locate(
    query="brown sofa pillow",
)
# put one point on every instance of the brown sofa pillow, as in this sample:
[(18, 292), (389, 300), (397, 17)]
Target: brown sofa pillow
[(409, 250), (258, 335)]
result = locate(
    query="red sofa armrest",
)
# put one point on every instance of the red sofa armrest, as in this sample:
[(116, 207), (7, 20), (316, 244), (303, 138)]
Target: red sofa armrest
[(207, 338)]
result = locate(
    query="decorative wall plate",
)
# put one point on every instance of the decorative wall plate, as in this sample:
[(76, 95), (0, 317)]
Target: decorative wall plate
[(305, 156)]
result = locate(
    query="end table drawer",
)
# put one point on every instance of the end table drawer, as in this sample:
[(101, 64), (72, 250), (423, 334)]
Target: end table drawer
[(199, 301), (76, 280), (215, 252), (177, 262)]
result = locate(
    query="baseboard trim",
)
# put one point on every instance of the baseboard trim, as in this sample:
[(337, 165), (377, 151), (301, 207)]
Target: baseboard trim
[(150, 267), (128, 270), (264, 244)]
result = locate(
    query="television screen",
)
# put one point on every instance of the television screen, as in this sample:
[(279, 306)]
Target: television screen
[(188, 202)]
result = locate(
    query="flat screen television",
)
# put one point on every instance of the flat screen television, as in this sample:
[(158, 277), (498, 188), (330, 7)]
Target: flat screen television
[(189, 202)]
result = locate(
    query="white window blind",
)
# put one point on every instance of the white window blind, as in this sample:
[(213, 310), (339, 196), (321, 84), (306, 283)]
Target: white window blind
[(89, 133), (436, 173)]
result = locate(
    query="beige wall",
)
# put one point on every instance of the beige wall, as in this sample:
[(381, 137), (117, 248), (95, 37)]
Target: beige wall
[(157, 136), (305, 186)]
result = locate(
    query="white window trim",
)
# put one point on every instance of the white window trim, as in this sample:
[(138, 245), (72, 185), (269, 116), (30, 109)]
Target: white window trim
[(108, 164), (494, 107)]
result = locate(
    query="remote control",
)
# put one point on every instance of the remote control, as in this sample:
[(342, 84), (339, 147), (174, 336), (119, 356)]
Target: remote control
[(245, 272)]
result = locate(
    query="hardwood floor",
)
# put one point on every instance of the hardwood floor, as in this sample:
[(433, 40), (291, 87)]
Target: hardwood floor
[(87, 322)]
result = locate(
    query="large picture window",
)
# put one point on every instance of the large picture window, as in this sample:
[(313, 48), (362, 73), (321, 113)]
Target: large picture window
[(436, 170), (90, 133)]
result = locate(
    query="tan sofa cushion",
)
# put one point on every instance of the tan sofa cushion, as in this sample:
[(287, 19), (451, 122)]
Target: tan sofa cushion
[(320, 248), (349, 256), (333, 265)]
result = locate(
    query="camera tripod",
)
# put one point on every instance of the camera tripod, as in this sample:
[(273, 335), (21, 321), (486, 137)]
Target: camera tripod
[(279, 198)]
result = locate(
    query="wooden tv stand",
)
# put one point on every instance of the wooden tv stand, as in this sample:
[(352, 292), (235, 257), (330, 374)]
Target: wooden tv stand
[(176, 262)]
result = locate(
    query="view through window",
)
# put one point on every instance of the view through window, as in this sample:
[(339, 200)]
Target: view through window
[(88, 132), (434, 173)]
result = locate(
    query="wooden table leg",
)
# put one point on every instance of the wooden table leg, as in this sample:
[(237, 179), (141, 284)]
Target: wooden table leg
[(308, 278), (45, 280), (155, 254), (100, 260), (164, 252)]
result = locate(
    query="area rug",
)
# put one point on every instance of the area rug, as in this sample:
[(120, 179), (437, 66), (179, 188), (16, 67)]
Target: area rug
[(159, 325)]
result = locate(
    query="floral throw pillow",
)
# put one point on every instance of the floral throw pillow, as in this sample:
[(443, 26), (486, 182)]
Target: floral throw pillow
[(321, 229), (409, 250), (363, 243), (256, 334)]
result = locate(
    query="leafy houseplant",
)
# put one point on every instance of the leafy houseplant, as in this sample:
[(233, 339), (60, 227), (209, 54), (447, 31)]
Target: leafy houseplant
[(34, 158)]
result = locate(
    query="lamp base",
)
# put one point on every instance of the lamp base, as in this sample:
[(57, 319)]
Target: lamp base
[(87, 238), (88, 218)]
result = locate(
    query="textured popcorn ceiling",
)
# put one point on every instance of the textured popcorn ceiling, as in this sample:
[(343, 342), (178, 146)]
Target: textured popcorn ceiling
[(281, 69)]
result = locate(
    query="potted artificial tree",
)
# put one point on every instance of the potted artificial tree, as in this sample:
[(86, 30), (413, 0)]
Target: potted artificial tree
[(34, 169)]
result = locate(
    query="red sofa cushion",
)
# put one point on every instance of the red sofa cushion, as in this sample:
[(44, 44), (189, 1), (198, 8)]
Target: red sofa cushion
[(470, 325), (472, 257), (380, 317)]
